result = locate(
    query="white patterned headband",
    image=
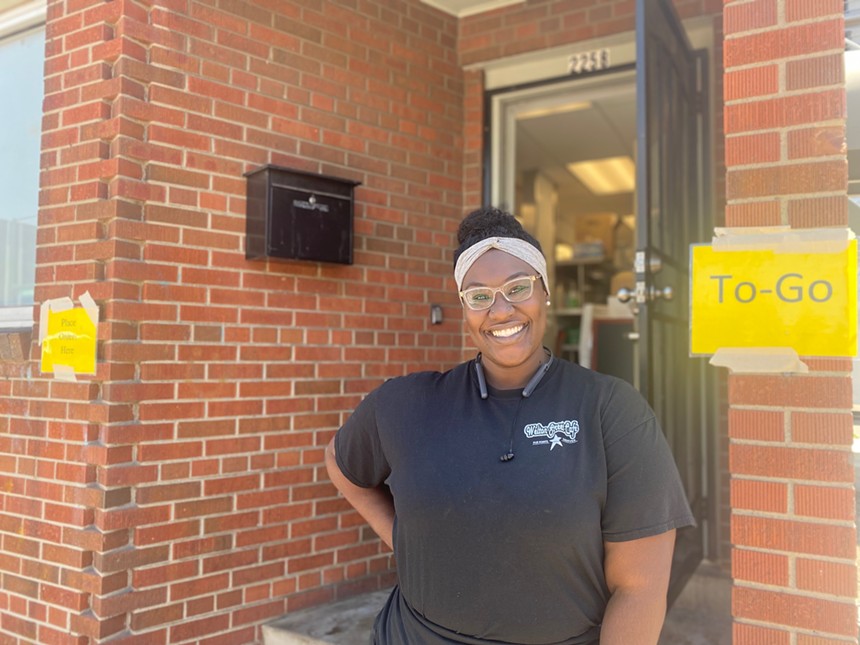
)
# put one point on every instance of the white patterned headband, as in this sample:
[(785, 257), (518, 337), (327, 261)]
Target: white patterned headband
[(510, 245)]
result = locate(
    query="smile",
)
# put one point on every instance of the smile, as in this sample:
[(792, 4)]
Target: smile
[(505, 333)]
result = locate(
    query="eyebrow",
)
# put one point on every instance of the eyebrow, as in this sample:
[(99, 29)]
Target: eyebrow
[(513, 276)]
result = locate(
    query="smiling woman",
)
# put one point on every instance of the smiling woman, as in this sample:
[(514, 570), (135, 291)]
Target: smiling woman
[(507, 331), (527, 499)]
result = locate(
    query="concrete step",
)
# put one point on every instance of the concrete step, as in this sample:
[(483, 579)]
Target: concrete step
[(345, 622), (700, 616)]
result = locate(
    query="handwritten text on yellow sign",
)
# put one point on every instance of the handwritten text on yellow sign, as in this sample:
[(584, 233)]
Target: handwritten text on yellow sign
[(70, 340)]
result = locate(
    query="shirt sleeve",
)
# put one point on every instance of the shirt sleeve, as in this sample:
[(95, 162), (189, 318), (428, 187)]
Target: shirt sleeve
[(357, 446), (644, 495)]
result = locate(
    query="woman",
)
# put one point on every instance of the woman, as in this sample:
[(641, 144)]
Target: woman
[(528, 500)]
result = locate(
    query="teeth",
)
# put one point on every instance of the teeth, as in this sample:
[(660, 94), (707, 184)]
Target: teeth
[(505, 333)]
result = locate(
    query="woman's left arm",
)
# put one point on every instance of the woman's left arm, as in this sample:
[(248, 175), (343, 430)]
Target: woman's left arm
[(637, 573)]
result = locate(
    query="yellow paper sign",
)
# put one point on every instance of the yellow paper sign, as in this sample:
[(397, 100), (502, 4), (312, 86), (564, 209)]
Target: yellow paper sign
[(69, 341), (764, 298)]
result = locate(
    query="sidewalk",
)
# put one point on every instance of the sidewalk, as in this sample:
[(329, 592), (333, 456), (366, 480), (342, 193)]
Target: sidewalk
[(700, 616)]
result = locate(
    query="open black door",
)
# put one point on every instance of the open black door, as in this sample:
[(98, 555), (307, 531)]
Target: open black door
[(670, 211)]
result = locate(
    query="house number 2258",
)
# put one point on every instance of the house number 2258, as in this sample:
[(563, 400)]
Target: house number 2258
[(590, 61)]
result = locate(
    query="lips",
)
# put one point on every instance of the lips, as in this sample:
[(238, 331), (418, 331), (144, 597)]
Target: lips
[(507, 332)]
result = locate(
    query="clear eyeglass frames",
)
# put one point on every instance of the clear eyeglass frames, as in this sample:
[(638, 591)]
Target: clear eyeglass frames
[(516, 290)]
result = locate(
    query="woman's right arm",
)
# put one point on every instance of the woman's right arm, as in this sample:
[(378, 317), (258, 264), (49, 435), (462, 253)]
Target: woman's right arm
[(375, 505)]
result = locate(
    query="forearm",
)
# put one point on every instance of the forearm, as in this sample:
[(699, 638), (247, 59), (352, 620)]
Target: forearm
[(637, 574), (375, 505), (633, 618)]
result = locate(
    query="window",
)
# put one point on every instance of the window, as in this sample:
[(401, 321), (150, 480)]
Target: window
[(22, 60)]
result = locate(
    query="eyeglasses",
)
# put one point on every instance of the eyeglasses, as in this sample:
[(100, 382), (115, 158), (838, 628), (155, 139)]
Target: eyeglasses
[(516, 290)]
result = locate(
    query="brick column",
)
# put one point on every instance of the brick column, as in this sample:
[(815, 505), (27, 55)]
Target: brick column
[(792, 489), (65, 527)]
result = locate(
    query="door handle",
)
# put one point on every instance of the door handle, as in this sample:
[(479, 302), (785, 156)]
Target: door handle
[(624, 295)]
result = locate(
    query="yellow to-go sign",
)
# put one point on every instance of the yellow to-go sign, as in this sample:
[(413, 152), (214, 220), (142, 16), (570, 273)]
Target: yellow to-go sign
[(769, 298)]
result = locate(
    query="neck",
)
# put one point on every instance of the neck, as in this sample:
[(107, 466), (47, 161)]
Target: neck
[(514, 378)]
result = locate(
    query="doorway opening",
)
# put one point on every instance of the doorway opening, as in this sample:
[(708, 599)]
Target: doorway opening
[(610, 171), (566, 170)]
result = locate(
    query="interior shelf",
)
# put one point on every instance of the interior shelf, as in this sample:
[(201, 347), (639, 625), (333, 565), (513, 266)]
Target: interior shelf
[(578, 275), (573, 262)]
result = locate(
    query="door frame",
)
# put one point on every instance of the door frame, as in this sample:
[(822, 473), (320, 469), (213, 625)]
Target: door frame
[(534, 70)]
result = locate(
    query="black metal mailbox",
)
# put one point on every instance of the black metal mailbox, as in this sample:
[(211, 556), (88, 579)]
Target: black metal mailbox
[(298, 215)]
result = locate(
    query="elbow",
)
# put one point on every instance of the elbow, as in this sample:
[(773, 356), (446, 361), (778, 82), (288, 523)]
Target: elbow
[(330, 453), (331, 461)]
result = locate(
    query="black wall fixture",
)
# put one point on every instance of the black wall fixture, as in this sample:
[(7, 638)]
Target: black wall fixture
[(297, 215)]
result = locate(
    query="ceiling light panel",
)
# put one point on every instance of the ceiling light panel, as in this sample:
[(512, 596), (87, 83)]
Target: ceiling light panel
[(610, 176)]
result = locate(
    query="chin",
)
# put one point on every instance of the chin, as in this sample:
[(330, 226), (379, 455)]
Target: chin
[(512, 355)]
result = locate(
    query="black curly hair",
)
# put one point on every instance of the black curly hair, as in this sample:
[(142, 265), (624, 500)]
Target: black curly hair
[(490, 222)]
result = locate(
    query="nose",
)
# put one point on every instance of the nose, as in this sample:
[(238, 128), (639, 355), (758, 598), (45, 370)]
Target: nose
[(501, 308)]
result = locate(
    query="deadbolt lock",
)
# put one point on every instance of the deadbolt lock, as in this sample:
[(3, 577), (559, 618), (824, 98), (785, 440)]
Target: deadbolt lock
[(626, 295), (666, 293)]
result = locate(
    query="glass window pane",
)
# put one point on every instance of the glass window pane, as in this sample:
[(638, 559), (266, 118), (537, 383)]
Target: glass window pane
[(21, 86)]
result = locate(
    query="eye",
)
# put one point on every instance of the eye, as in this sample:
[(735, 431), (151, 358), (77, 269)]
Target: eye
[(518, 288), (478, 296)]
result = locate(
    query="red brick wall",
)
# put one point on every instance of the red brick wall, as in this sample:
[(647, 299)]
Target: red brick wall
[(180, 495), (792, 489)]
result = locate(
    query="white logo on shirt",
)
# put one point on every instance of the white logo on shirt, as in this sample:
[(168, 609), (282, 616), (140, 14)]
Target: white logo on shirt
[(556, 433)]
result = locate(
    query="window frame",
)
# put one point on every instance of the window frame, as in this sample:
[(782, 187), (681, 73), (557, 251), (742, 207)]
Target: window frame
[(18, 20)]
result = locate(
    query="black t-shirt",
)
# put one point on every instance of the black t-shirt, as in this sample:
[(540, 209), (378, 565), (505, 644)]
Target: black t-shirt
[(509, 552)]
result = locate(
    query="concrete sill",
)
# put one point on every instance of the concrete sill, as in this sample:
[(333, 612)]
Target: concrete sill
[(345, 622)]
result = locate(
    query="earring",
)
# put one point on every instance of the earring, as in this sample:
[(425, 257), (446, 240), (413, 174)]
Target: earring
[(548, 303)]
